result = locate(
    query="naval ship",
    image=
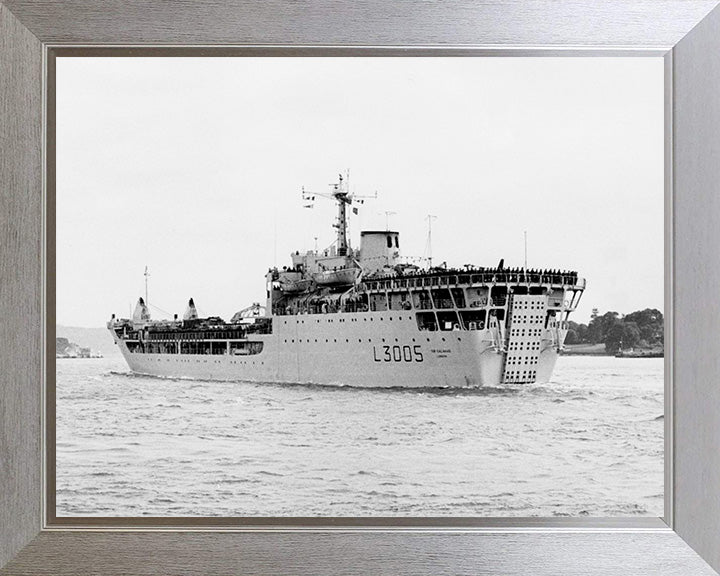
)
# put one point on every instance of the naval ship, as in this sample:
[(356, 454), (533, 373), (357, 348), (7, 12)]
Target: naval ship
[(364, 317)]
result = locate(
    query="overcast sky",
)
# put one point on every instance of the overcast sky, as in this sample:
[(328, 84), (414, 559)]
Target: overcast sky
[(194, 166)]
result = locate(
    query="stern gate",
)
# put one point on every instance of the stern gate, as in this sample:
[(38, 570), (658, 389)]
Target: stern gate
[(526, 323)]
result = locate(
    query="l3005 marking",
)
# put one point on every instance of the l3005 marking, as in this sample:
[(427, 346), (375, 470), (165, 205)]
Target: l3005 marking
[(398, 353)]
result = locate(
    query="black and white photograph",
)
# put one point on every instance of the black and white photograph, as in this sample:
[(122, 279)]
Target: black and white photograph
[(359, 287)]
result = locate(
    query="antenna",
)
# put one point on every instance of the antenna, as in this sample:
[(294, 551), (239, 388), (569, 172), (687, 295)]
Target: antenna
[(387, 219), (525, 269), (147, 275), (275, 237), (428, 246)]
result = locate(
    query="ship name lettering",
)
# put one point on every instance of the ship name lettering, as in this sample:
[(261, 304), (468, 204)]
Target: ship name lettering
[(398, 354)]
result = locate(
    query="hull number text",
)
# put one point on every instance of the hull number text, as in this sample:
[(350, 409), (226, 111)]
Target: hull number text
[(397, 353)]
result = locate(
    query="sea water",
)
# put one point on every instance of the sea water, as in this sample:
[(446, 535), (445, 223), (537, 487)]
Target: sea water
[(589, 443)]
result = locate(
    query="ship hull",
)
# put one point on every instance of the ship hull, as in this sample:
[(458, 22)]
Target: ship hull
[(371, 349)]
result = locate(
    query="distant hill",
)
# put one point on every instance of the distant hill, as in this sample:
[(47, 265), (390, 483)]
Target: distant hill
[(97, 339)]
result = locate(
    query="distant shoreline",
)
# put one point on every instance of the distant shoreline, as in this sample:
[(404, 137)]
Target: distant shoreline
[(599, 350), (585, 350)]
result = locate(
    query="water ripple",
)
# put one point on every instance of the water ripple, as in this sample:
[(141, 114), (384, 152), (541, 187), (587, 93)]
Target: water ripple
[(588, 443)]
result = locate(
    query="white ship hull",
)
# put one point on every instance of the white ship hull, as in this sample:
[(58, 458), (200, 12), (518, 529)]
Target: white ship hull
[(369, 349), (363, 318)]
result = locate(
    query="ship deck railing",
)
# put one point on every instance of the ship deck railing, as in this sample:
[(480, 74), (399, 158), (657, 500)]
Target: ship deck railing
[(178, 332), (461, 279)]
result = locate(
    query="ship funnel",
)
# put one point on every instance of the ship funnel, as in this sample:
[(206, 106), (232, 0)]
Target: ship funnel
[(379, 250), (141, 314), (191, 311)]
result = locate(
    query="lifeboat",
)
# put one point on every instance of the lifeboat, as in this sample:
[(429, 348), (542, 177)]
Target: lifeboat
[(295, 286), (342, 277), (293, 282)]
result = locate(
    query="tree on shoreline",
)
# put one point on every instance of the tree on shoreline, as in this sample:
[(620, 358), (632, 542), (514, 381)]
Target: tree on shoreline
[(639, 329)]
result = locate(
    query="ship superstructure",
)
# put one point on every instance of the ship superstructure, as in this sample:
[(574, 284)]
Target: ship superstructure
[(363, 317)]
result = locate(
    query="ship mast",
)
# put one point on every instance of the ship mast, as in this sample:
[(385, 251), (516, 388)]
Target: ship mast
[(147, 275), (341, 195), (428, 245)]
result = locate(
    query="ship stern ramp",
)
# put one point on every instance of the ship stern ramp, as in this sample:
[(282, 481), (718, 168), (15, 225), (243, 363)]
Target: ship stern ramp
[(530, 355)]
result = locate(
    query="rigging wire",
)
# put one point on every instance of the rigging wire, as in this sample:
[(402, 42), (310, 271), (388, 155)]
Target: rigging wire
[(159, 309)]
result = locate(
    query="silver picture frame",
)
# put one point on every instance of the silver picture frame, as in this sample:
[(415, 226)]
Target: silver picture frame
[(686, 33)]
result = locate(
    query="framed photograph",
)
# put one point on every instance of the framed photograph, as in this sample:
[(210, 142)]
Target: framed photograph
[(357, 365), (494, 214)]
